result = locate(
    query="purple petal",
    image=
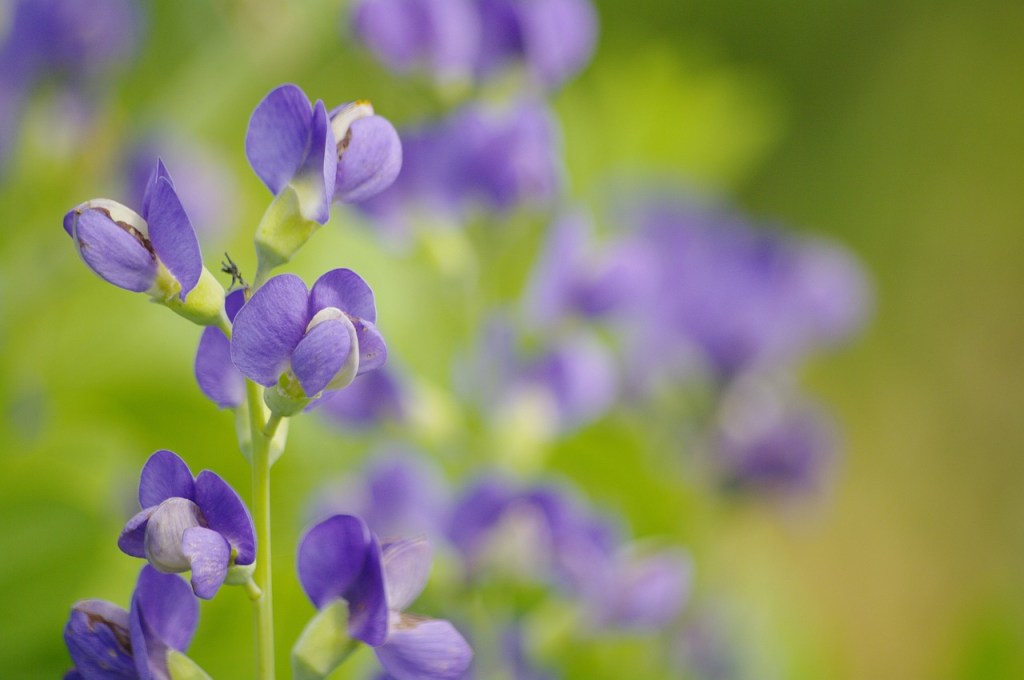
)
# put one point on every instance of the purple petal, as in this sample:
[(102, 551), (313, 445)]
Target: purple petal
[(279, 131), (208, 555), (269, 326), (406, 570), (233, 302), (648, 592), (218, 378), (225, 513), (132, 540), (160, 171), (163, 615), (558, 37), (331, 556), (119, 256), (321, 354), (314, 180), (344, 290), (373, 353), (367, 601), (425, 649), (371, 161), (477, 512), (98, 640), (164, 476), (173, 237)]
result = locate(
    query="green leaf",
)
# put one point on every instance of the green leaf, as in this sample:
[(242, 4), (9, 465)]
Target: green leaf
[(324, 644), (183, 668)]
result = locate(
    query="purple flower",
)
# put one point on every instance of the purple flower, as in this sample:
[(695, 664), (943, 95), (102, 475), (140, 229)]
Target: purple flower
[(642, 592), (307, 341), (108, 643), (198, 524), (372, 399), (398, 493), (769, 441), (73, 43), (155, 252), (347, 155), (740, 297), (554, 38), (440, 36), (218, 378), (498, 158), (340, 558), (574, 275)]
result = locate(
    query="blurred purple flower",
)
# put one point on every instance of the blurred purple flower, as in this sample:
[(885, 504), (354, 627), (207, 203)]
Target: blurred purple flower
[(566, 384), (575, 276), (133, 251), (318, 339), (398, 493), (72, 42), (347, 155), (554, 39), (371, 400), (453, 39), (439, 36), (109, 643), (642, 591), (207, 187), (741, 297), (494, 158), (769, 441), (340, 558), (198, 524), (218, 378)]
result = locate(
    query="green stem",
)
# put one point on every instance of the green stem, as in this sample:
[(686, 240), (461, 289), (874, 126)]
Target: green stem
[(261, 516)]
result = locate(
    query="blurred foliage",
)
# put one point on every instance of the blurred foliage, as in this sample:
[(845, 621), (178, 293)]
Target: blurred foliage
[(894, 127)]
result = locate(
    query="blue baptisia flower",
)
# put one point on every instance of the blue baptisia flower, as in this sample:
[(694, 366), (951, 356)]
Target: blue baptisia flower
[(108, 643), (339, 558), (302, 342), (198, 524), (155, 252), (348, 154), (454, 39), (440, 36)]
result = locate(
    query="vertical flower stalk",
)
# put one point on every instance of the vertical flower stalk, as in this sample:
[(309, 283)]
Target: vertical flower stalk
[(261, 431)]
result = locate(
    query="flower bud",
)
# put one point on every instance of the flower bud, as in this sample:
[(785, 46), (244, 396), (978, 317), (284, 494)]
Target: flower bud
[(369, 152), (164, 534)]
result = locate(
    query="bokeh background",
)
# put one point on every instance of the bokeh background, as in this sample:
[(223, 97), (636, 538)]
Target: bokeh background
[(893, 127)]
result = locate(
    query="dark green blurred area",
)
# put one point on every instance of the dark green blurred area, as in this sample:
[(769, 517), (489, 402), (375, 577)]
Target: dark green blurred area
[(894, 128)]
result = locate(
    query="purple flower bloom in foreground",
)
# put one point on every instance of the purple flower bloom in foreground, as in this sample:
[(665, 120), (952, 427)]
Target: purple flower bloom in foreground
[(309, 340), (348, 155), (442, 36), (218, 378), (156, 251), (108, 643), (341, 558), (198, 524)]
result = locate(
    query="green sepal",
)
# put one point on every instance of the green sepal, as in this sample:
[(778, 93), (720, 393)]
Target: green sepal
[(181, 667), (204, 304), (281, 232), (324, 644), (239, 574), (286, 398)]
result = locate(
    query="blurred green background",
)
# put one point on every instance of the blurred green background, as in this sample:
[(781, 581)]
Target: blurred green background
[(893, 127)]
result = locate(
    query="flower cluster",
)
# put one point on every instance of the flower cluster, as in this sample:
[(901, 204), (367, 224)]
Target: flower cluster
[(475, 39)]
